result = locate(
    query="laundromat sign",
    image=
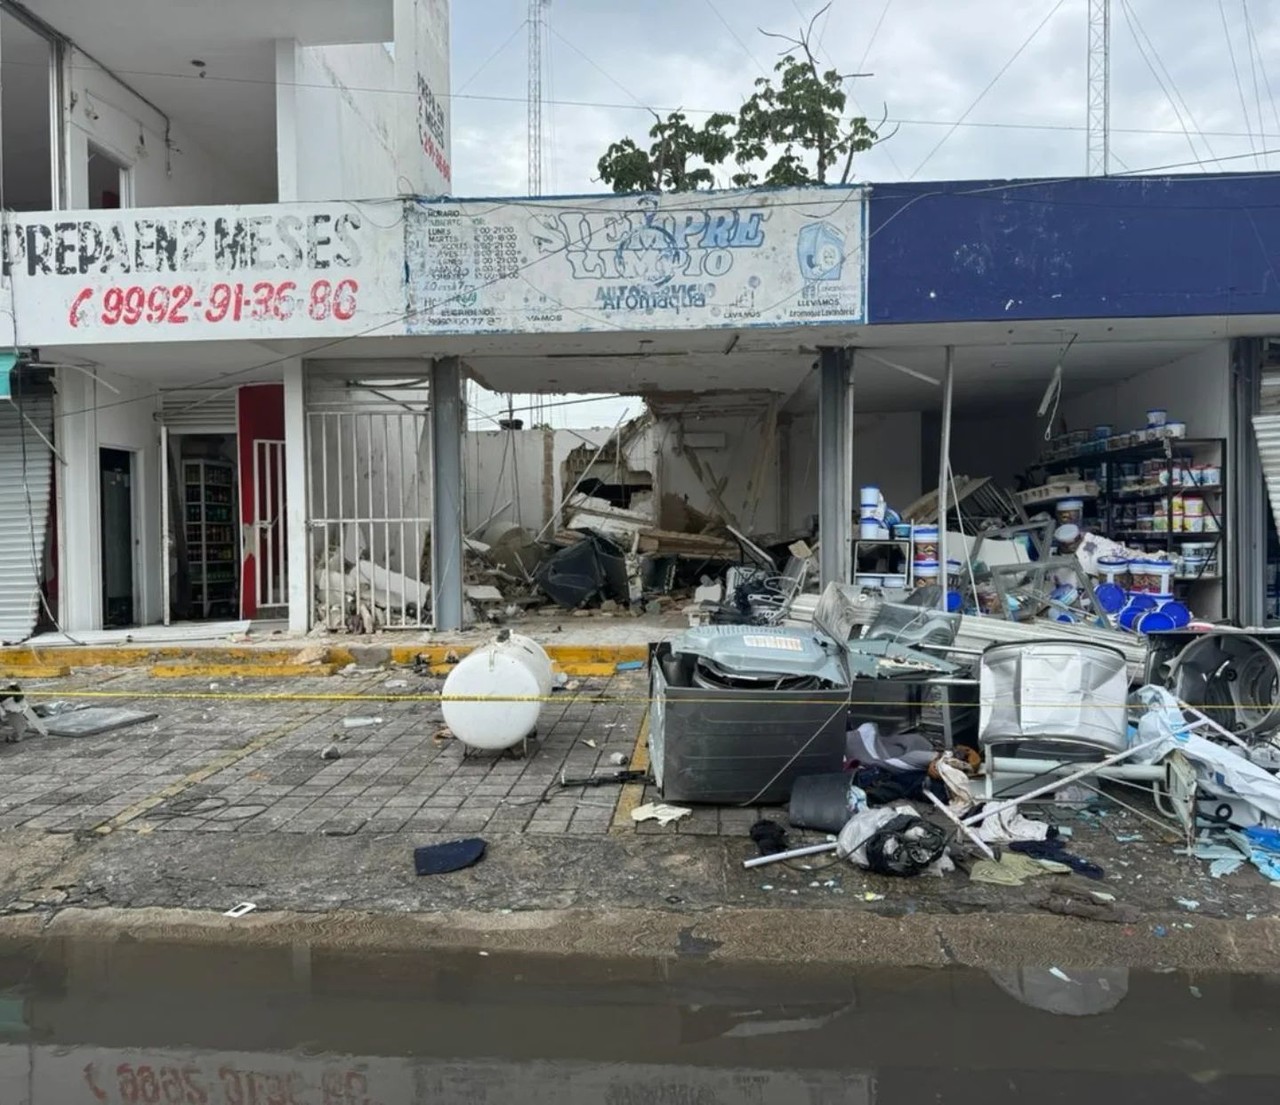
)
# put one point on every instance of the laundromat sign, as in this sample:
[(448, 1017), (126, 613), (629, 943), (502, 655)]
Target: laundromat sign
[(279, 271)]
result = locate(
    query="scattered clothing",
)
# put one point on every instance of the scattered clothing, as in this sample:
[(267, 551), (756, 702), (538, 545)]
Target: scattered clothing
[(894, 840), (440, 859), (770, 837), (1012, 869), (1068, 905), (884, 787), (1055, 849), (1009, 824)]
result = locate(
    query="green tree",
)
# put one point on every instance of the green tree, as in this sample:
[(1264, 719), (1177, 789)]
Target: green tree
[(677, 160), (794, 129)]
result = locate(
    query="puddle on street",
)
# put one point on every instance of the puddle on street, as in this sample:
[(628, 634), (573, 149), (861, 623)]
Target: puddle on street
[(129, 1023)]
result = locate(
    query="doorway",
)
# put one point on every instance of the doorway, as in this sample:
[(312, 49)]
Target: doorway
[(116, 483), (199, 529), (109, 181)]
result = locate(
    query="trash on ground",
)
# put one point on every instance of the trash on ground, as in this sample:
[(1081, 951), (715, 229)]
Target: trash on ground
[(441, 859), (95, 720), (660, 812), (331, 752), (240, 910), (619, 759), (360, 722), (1188, 903)]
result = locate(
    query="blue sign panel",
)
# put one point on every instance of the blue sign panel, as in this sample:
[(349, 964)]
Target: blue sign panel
[(1101, 247)]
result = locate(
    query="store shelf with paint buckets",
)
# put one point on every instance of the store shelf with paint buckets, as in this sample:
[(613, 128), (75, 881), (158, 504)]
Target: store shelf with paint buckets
[(1145, 512), (1120, 530)]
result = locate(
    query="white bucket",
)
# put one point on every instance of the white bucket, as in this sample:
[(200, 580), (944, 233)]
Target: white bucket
[(869, 579), (511, 667), (1112, 567), (925, 544), (1070, 512), (927, 570), (894, 580), (1157, 417), (1162, 574), (869, 529), (872, 502)]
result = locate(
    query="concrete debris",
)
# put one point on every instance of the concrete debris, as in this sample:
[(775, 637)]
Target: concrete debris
[(331, 752), (660, 812), (360, 722), (311, 654), (619, 759)]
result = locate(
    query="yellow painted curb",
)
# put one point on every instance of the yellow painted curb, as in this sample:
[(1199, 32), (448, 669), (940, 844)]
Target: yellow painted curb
[(633, 793), (33, 671), (197, 670)]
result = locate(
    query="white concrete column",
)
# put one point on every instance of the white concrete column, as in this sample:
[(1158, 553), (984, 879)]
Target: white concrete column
[(295, 496), (79, 525), (286, 120), (835, 465)]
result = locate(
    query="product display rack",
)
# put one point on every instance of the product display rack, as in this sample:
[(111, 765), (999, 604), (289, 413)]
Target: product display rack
[(1143, 491), (209, 505)]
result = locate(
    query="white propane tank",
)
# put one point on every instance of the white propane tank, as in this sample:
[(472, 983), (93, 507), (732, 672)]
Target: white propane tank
[(508, 667)]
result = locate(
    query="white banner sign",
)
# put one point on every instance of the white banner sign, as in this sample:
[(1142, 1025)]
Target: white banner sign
[(216, 273), (673, 262)]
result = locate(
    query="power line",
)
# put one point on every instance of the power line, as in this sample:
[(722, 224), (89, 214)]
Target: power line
[(604, 73), (1256, 48), (990, 85), (1130, 21), (1155, 53), (1231, 51), (745, 48), (1253, 65), (489, 60), (875, 31)]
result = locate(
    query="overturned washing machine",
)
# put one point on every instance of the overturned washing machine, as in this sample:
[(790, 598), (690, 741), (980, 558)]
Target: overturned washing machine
[(741, 711)]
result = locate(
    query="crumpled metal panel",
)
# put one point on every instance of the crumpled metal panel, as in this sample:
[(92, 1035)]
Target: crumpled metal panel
[(1266, 429)]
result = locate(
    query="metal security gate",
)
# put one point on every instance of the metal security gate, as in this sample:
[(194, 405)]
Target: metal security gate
[(26, 494), (271, 578), (368, 503)]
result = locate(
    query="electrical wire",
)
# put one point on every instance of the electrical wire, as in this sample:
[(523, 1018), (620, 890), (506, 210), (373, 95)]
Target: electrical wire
[(1253, 68), (1235, 69), (1256, 48), (734, 34), (1175, 97), (492, 57), (989, 86)]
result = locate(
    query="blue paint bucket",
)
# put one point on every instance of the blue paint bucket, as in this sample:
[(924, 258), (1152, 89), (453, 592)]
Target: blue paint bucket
[(1154, 621), (1110, 596), (1180, 614)]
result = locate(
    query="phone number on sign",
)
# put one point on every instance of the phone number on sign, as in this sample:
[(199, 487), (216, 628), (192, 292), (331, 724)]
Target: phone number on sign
[(179, 304)]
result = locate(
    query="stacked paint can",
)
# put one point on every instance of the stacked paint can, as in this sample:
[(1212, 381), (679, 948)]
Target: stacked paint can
[(924, 549), (873, 526)]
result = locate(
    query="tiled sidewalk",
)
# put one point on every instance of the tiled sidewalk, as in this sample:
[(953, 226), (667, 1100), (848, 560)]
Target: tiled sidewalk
[(252, 763)]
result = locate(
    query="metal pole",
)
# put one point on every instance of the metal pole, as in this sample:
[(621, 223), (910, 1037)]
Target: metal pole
[(835, 464), (447, 413), (944, 464)]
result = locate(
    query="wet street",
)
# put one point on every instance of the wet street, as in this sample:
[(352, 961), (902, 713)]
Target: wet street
[(129, 1022)]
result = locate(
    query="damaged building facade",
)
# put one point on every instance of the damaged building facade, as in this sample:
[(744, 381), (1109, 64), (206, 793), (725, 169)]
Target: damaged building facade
[(247, 401)]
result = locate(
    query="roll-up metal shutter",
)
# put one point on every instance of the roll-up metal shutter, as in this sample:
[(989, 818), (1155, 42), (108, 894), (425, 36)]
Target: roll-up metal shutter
[(26, 491), (199, 409)]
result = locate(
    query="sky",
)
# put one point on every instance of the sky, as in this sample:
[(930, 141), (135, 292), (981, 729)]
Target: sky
[(1191, 84)]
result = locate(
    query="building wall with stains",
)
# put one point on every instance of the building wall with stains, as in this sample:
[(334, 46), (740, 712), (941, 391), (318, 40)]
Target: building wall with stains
[(1115, 247), (366, 121), (100, 112)]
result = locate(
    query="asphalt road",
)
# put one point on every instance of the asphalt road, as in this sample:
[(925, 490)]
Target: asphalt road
[(299, 1023)]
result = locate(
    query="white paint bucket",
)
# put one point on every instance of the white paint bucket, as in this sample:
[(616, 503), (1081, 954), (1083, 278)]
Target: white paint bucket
[(927, 571), (1156, 418), (1175, 429), (1193, 506), (871, 580), (1070, 512), (869, 529), (1112, 568), (504, 684), (925, 545), (870, 500), (1161, 574)]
